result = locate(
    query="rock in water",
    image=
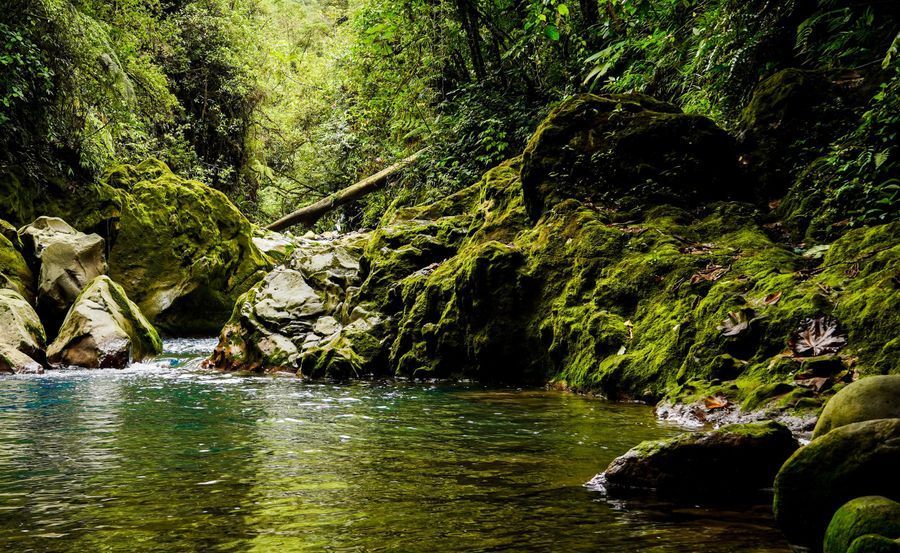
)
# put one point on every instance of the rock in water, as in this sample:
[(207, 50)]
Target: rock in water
[(735, 458), (859, 517), (103, 329), (874, 397), (21, 335), (627, 149), (67, 261), (855, 460)]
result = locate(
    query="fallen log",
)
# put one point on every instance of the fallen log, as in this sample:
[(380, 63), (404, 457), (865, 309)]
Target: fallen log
[(310, 214)]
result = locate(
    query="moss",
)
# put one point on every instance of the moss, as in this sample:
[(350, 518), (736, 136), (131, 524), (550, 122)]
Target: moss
[(14, 271), (859, 517)]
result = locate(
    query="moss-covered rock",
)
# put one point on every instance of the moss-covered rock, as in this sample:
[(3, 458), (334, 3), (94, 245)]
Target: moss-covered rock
[(103, 329), (860, 517), (627, 150), (852, 461), (21, 335), (875, 397), (873, 543), (15, 274), (730, 460)]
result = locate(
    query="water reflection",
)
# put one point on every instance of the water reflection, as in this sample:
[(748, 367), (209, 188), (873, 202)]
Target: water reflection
[(165, 457)]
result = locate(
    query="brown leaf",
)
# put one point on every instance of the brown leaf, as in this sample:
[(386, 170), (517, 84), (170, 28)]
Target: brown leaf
[(817, 336), (715, 402), (816, 384), (852, 271), (711, 273), (772, 299), (737, 322), (696, 249)]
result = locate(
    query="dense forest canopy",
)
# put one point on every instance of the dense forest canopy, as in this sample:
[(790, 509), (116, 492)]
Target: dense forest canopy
[(281, 102)]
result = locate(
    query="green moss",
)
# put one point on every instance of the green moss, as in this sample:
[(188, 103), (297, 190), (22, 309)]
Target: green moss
[(859, 517), (14, 272)]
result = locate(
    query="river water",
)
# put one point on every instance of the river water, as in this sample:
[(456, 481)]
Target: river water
[(167, 457)]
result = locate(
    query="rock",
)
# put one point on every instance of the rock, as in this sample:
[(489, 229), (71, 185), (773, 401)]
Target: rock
[(729, 460), (627, 150), (859, 517), (67, 260), (274, 244), (15, 274), (874, 544), (870, 398), (103, 329), (21, 335), (11, 233), (855, 460)]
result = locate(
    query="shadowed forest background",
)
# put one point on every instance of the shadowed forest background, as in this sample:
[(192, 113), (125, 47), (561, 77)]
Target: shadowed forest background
[(279, 102)]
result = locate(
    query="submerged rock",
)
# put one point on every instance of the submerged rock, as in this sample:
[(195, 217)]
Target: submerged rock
[(874, 397), (103, 329), (67, 260), (860, 517), (730, 460), (855, 460), (627, 150), (21, 335)]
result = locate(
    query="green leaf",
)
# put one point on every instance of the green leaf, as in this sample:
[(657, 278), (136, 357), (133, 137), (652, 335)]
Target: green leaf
[(563, 10), (552, 32)]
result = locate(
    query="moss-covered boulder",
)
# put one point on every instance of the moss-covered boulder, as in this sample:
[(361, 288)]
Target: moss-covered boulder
[(859, 517), (733, 459), (873, 543), (874, 397), (627, 150), (103, 329), (21, 335), (852, 461), (66, 260), (15, 274)]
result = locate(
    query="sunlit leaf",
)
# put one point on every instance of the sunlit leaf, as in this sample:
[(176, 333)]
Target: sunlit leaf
[(817, 336)]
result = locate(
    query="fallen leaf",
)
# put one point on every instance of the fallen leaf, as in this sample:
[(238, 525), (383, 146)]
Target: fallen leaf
[(711, 273), (817, 336), (816, 384), (772, 299), (853, 270), (737, 322), (696, 249), (715, 402)]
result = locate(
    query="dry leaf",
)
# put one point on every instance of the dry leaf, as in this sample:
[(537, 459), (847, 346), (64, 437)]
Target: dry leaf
[(696, 249), (715, 402), (772, 299), (737, 322), (711, 273), (816, 384), (817, 336)]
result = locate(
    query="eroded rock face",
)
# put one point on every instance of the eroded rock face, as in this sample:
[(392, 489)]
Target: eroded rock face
[(299, 317), (874, 397), (103, 329), (860, 517), (66, 259), (15, 274), (21, 335), (855, 460), (627, 150), (732, 459)]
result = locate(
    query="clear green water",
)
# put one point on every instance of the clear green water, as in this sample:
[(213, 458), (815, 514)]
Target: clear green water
[(165, 457)]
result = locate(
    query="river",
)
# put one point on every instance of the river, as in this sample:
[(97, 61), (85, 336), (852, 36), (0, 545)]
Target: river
[(165, 456)]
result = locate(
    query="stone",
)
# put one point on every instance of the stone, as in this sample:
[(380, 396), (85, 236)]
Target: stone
[(66, 260), (103, 329), (873, 543), (21, 335), (15, 274), (274, 244), (732, 459), (627, 150), (855, 460), (859, 517), (874, 397)]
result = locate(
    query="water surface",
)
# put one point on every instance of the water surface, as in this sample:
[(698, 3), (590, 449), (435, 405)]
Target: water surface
[(167, 457)]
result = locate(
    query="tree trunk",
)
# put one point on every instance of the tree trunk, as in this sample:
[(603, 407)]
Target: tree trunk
[(310, 214)]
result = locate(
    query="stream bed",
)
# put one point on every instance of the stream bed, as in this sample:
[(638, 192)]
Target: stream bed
[(165, 456)]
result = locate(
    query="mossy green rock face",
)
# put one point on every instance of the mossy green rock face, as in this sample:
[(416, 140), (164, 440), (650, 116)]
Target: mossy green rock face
[(15, 274), (21, 335), (736, 458), (103, 329), (627, 150), (873, 543), (859, 517), (182, 251), (855, 460), (874, 397)]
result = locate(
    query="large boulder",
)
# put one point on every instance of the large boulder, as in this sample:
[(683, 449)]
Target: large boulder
[(66, 260), (873, 543), (855, 460), (15, 274), (874, 397), (103, 329), (21, 335), (859, 517), (731, 459), (627, 150)]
